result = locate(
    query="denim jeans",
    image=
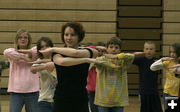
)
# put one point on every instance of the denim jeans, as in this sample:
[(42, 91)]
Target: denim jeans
[(93, 107), (165, 96), (110, 109), (44, 106), (18, 100)]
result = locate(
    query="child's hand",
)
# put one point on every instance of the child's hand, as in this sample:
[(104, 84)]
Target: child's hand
[(25, 51), (40, 61), (22, 57), (139, 53), (101, 50), (175, 70), (167, 59), (175, 66), (115, 66)]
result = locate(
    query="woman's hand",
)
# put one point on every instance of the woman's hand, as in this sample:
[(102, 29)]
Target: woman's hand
[(92, 60), (167, 59), (40, 61), (47, 51)]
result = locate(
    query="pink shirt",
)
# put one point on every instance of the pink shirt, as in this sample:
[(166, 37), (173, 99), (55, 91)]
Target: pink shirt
[(91, 80), (21, 79)]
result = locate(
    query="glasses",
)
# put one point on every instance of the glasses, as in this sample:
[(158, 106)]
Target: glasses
[(20, 37)]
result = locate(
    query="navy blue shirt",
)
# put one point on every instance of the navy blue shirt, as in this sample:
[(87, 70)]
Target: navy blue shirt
[(147, 79)]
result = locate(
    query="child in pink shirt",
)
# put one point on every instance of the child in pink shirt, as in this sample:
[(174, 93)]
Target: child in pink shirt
[(23, 84)]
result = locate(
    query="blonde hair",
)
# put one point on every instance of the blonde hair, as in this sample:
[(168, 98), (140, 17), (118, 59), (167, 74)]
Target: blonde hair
[(150, 42), (19, 32)]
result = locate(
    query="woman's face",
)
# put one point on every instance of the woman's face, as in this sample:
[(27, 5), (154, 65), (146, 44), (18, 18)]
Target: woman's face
[(23, 40), (70, 38)]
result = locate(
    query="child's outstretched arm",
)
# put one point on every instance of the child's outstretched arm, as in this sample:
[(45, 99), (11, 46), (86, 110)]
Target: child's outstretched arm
[(31, 52), (13, 54), (49, 66), (121, 55), (176, 70), (113, 56), (139, 53), (40, 61), (106, 63), (27, 59), (157, 65), (110, 56)]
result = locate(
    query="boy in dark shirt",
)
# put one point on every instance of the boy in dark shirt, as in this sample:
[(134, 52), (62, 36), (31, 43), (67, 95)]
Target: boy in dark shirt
[(148, 88)]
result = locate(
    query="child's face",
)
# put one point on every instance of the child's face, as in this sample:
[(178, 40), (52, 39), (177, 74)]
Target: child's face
[(43, 47), (172, 52), (23, 40), (113, 49), (101, 52), (149, 50)]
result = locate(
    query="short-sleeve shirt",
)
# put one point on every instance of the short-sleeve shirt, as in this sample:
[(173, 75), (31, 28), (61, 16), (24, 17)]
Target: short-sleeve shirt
[(147, 79), (172, 83)]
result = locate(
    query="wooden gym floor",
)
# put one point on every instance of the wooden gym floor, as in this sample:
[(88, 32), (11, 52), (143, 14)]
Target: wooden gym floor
[(133, 107)]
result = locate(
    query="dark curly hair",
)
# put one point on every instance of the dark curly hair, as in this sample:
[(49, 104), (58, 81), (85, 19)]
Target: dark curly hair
[(176, 47), (48, 42), (115, 41), (78, 30)]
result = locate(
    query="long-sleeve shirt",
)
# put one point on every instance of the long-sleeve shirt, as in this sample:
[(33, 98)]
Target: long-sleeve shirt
[(21, 79), (172, 83), (111, 83)]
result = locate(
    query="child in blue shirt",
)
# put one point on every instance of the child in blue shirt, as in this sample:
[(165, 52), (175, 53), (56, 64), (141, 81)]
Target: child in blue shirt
[(148, 88)]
